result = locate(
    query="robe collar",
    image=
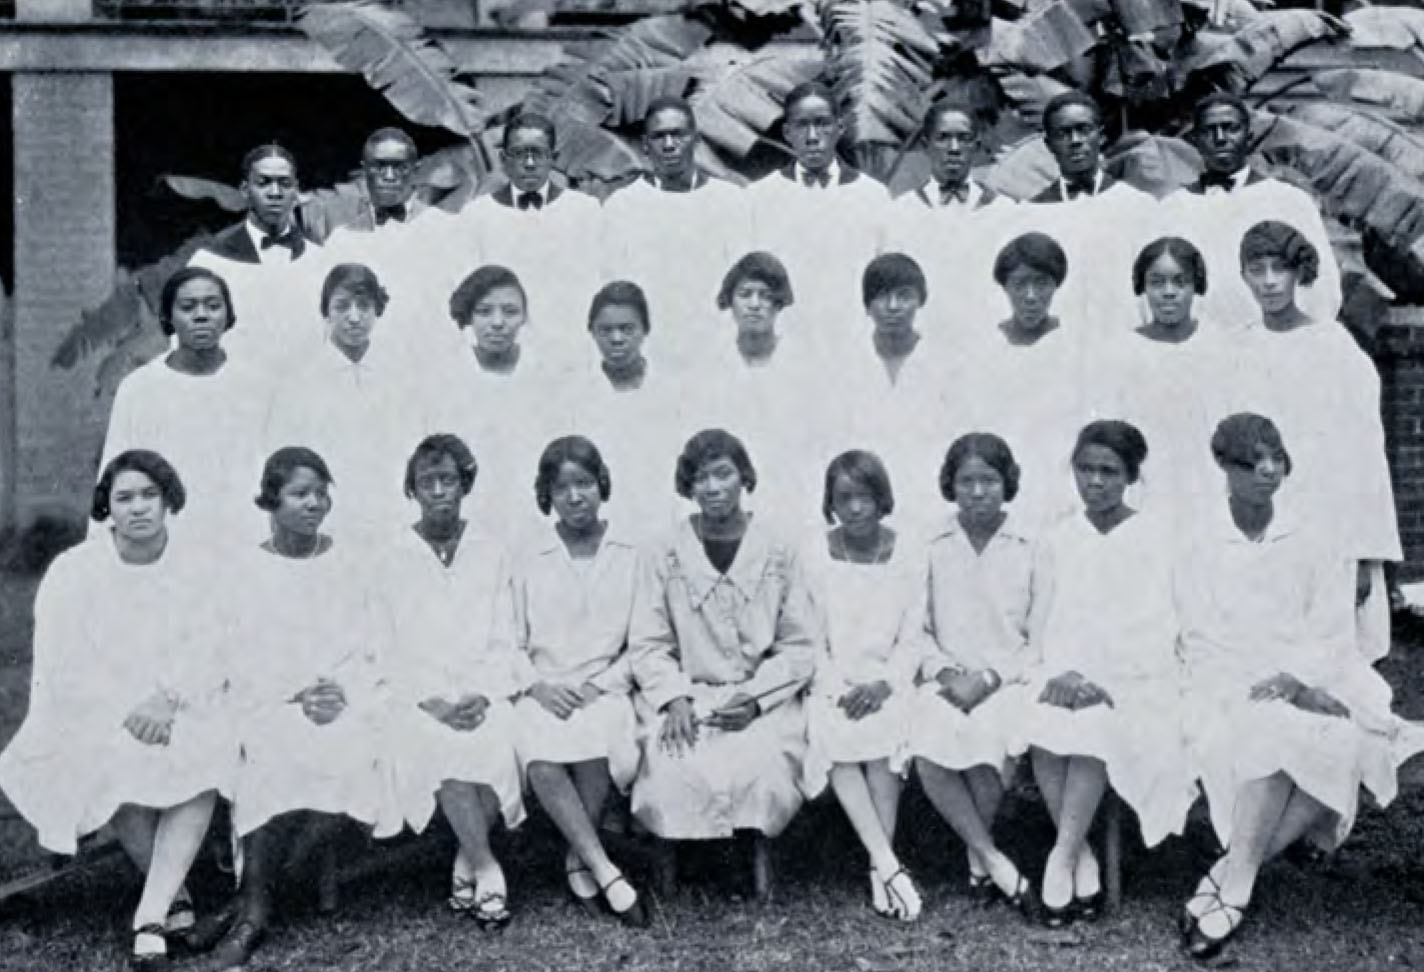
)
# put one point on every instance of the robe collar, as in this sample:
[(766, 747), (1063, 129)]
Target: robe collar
[(506, 197), (838, 172), (1008, 532), (754, 558)]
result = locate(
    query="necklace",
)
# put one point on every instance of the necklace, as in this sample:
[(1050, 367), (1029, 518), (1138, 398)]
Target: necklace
[(880, 550), (444, 548)]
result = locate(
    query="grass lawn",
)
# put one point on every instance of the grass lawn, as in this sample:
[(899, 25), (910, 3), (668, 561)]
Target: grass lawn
[(1361, 910)]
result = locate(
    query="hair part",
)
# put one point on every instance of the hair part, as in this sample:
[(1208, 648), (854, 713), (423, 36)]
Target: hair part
[(710, 445), (577, 450), (358, 280), (1272, 238), (1184, 252), (990, 448), (477, 286), (169, 296), (435, 447), (159, 471), (278, 470), (271, 150)]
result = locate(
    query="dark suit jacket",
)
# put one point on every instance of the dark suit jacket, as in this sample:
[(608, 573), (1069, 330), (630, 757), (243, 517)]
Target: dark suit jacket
[(1054, 193), (929, 194), (235, 243), (1196, 188), (504, 195)]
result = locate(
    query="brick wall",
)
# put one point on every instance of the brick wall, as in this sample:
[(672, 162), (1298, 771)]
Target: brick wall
[(1400, 357)]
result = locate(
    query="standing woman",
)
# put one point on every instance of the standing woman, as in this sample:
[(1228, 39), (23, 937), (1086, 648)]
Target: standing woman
[(306, 694), (449, 676), (978, 595), (1104, 702), (723, 639), (125, 724), (865, 581), (1288, 720), (573, 597)]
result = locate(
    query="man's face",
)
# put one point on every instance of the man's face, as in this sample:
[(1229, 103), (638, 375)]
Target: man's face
[(812, 130), (389, 166), (1221, 135), (527, 159), (1075, 138), (669, 140), (951, 143), (271, 192)]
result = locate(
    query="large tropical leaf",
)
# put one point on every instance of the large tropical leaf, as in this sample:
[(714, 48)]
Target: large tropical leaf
[(881, 57), (200, 189), (738, 97), (1238, 60), (1370, 132), (1027, 94), (1048, 37), (1398, 28), (1024, 170), (390, 50), (1139, 18), (1398, 97), (1153, 163)]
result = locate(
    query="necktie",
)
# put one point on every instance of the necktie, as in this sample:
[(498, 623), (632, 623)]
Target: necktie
[(822, 179), (530, 200), (397, 213), (291, 239), (953, 192), (1080, 187), (1218, 180)]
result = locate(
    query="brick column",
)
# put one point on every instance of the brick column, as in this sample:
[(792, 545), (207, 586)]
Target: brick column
[(1400, 357), (64, 263)]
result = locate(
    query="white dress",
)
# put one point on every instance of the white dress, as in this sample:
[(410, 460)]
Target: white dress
[(570, 626), (975, 615), (300, 620), (1103, 608), (1251, 610), (108, 636), (870, 616), (446, 646)]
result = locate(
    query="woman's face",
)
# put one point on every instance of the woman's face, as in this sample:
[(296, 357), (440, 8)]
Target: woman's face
[(1256, 482), (978, 490), (1101, 476), (137, 507), (1170, 290), (302, 502), (855, 507), (754, 307), (200, 314), (350, 318), (497, 318), (1030, 296), (618, 330), (438, 490), (1272, 282), (717, 488), (575, 496), (894, 308)]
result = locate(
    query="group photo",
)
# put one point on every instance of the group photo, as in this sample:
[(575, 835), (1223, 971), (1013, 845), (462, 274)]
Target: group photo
[(683, 562)]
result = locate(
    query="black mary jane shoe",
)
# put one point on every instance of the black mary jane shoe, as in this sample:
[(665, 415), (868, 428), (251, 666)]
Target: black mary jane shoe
[(1025, 901), (1089, 909), (150, 961), (983, 891), (636, 915), (1203, 947), (1057, 918)]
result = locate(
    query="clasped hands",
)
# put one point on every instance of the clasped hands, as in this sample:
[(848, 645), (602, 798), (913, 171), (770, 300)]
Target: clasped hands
[(563, 700), (1287, 688), (1073, 691), (323, 702), (465, 714), (965, 690), (681, 724)]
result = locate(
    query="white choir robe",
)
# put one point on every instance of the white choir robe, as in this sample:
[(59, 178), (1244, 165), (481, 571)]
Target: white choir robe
[(108, 636), (1217, 220), (677, 246), (208, 428), (569, 626), (446, 647), (1323, 393), (825, 236)]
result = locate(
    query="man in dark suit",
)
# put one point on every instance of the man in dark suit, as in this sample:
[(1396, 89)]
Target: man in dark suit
[(1221, 132), (527, 158), (951, 140), (812, 128), (271, 231), (1073, 130)]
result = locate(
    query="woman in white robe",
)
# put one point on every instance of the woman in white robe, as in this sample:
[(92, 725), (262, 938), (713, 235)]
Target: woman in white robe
[(126, 724), (450, 676), (976, 593), (1103, 705), (1323, 392), (572, 601), (307, 699), (1287, 721), (865, 579), (197, 407), (722, 642)]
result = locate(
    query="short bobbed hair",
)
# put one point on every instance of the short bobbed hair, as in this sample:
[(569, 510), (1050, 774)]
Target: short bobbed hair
[(158, 469), (279, 468), (477, 286), (169, 296), (1272, 238), (579, 451), (865, 470), (986, 446), (621, 293), (890, 271), (1237, 437), (1187, 256), (709, 445), (762, 267), (435, 447), (1123, 438), (358, 280), (1037, 251)]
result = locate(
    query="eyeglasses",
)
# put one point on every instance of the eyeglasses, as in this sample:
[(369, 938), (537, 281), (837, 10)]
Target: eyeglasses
[(535, 155)]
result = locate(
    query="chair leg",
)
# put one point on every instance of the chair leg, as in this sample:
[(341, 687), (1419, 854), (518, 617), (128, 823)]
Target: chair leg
[(762, 872), (328, 887), (1112, 851), (665, 867)]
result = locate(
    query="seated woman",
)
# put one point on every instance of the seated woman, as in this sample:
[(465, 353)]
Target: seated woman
[(311, 631), (1103, 704), (125, 724), (976, 607), (195, 405), (1287, 720), (866, 582), (1323, 391), (722, 641), (449, 676), (573, 591)]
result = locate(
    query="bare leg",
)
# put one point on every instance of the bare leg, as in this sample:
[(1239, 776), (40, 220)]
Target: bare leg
[(1084, 782), (885, 788), (470, 807), (849, 782), (1050, 772), (1302, 814), (987, 788), (135, 827), (1260, 805), (572, 809), (179, 836), (950, 794)]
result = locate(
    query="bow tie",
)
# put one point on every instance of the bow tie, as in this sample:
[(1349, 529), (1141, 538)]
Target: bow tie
[(1219, 180), (953, 192), (530, 200), (822, 178), (1081, 187), (291, 239), (397, 213)]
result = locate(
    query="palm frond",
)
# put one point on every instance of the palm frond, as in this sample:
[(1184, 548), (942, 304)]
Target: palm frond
[(1047, 38), (1395, 28), (1366, 130), (738, 98), (1236, 61), (1156, 164), (882, 58), (1397, 96), (197, 188), (1023, 170)]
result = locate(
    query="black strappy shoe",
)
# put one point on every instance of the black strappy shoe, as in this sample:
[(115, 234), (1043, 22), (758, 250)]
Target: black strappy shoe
[(1186, 920), (635, 916), (901, 908), (1089, 909), (1201, 946), (984, 891)]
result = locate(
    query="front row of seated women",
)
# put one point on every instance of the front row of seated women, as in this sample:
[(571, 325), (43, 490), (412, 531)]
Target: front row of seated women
[(323, 684)]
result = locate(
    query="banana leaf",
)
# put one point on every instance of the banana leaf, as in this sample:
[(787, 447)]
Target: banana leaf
[(197, 188), (1366, 130), (1029, 93), (1024, 170), (1236, 61), (1141, 17), (1046, 39), (1398, 97), (738, 98), (882, 60), (1398, 28), (1153, 163), (391, 51)]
